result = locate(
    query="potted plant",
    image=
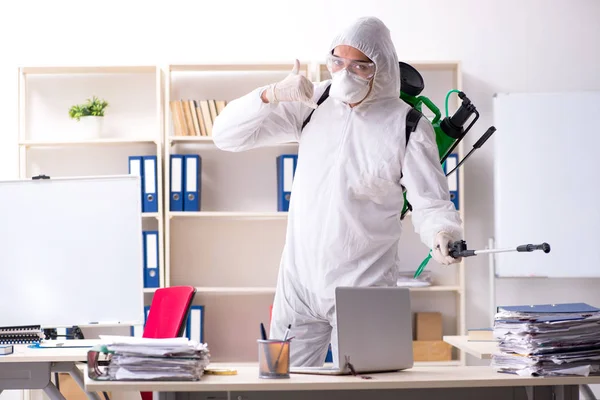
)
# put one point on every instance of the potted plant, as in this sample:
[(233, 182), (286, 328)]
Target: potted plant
[(90, 114)]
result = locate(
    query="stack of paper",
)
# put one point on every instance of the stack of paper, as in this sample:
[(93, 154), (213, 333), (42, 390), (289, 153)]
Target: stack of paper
[(548, 339), (136, 358), (406, 278)]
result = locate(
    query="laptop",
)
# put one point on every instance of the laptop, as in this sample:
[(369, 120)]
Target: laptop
[(374, 331)]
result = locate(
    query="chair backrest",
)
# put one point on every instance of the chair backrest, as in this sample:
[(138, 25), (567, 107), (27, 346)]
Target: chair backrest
[(168, 312)]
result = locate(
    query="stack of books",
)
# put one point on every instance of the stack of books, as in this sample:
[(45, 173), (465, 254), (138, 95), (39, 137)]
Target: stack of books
[(548, 339), (177, 359)]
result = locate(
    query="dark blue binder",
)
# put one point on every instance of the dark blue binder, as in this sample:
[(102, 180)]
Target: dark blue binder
[(150, 204), (177, 168), (192, 182), (286, 170), (194, 326), (453, 179), (135, 330), (551, 312), (151, 264), (562, 308), (136, 167), (329, 356)]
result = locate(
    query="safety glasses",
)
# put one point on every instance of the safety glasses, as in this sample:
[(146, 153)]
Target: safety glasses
[(364, 69)]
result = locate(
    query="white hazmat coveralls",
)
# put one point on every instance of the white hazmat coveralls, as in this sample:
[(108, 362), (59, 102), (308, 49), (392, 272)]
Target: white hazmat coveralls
[(343, 223)]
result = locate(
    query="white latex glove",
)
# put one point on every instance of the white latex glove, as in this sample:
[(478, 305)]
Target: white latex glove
[(441, 249), (294, 87)]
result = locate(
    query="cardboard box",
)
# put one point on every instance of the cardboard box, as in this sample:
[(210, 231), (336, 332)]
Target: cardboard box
[(432, 350), (428, 326), (70, 389)]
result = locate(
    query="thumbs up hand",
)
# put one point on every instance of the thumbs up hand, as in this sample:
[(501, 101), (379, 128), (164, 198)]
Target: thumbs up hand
[(294, 87)]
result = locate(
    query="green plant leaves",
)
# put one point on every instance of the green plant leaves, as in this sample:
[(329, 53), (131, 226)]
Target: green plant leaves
[(94, 107)]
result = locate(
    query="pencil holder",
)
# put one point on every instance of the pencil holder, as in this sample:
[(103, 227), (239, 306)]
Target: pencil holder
[(273, 359)]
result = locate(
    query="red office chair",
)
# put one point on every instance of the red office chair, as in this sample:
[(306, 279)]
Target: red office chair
[(168, 314)]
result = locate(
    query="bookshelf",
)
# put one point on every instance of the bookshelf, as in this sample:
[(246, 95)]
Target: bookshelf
[(52, 144), (230, 248)]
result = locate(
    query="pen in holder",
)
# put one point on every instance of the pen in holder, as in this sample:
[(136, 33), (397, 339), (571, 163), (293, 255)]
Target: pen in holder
[(273, 359)]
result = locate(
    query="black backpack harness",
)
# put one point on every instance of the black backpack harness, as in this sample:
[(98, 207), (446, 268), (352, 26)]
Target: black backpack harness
[(412, 118)]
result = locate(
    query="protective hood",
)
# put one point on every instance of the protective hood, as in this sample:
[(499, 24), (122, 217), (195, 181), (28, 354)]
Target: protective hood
[(372, 37)]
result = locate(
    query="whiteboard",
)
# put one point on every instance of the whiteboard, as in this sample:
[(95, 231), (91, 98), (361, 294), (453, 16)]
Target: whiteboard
[(547, 183), (71, 251)]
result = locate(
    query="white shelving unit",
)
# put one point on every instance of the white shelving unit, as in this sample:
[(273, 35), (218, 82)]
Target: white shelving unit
[(50, 143), (230, 249)]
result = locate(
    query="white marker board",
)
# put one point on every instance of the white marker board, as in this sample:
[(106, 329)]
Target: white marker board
[(71, 251), (547, 183)]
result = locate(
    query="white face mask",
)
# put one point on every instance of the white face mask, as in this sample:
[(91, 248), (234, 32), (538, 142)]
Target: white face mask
[(347, 87)]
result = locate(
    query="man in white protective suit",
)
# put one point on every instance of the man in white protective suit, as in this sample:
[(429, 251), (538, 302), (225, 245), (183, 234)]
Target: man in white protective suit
[(353, 160)]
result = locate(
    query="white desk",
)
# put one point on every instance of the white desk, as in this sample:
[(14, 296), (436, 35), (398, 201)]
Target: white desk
[(482, 350), (418, 382), (32, 368)]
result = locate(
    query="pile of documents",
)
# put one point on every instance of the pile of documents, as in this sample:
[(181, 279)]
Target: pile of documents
[(548, 339), (407, 279), (134, 358)]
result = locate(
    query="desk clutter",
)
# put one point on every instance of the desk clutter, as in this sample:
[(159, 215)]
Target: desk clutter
[(129, 358), (26, 334), (548, 340)]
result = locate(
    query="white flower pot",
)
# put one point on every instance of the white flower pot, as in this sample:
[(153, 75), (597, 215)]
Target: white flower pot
[(90, 127)]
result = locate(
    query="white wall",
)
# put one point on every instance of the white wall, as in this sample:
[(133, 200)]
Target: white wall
[(508, 46)]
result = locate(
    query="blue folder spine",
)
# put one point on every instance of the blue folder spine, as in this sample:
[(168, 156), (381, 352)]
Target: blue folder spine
[(150, 185), (453, 180), (136, 167), (177, 169), (192, 182), (286, 170), (151, 249)]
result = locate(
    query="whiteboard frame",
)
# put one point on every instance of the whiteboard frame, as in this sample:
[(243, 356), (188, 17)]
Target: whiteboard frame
[(567, 109), (140, 293)]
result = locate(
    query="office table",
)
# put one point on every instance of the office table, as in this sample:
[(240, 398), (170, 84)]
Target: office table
[(32, 368), (418, 383), (482, 350)]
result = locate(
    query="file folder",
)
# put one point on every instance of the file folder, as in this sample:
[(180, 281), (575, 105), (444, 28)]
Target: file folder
[(193, 182), (177, 175), (194, 327), (449, 165), (138, 330), (150, 204), (329, 356), (151, 275), (136, 167), (286, 169)]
